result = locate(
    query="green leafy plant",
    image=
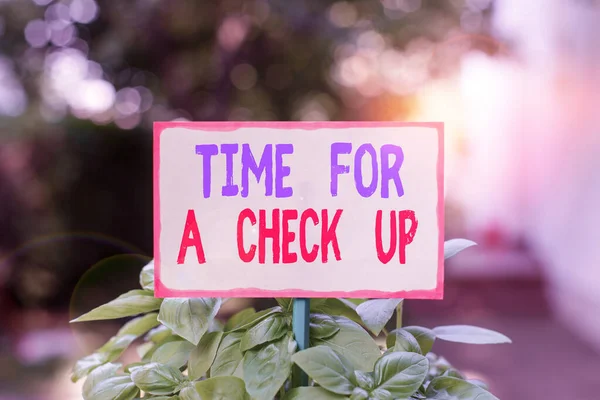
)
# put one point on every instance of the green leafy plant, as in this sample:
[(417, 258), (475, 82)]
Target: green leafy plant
[(187, 353)]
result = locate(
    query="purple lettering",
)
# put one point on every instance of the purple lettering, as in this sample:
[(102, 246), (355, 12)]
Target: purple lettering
[(207, 151), (265, 165), (365, 191), (229, 189), (391, 172), (337, 169), (281, 171)]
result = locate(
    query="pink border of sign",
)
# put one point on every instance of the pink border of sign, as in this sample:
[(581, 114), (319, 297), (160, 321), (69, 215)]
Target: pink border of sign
[(163, 291)]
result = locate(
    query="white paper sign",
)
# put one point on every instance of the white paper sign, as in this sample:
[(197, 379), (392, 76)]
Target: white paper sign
[(339, 209)]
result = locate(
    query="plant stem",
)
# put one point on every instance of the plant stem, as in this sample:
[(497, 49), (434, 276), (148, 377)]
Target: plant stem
[(399, 315)]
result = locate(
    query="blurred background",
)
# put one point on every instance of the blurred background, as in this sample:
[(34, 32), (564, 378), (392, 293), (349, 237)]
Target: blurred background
[(516, 83)]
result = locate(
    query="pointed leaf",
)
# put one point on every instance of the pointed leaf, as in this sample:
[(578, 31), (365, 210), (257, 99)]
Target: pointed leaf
[(354, 343), (401, 373), (402, 340), (469, 334), (267, 330), (255, 318), (425, 337), (479, 383), (98, 375), (157, 378), (143, 349), (376, 313), (204, 354), (131, 303), (454, 246), (222, 388), (140, 325), (189, 393), (149, 353), (335, 307), (118, 387), (448, 388), (116, 346), (381, 394), (158, 334), (87, 364), (239, 318), (364, 380), (322, 326), (189, 318), (327, 368), (286, 304), (175, 353), (147, 276), (359, 394), (312, 393), (267, 368), (229, 356)]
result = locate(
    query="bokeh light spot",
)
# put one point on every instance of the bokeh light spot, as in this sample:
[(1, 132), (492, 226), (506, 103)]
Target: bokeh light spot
[(83, 11), (243, 76), (343, 14), (37, 33)]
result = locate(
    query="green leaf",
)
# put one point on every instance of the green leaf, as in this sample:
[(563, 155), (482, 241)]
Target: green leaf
[(454, 246), (131, 303), (144, 348), (238, 318), (255, 318), (118, 387), (158, 334), (322, 326), (479, 383), (140, 325), (381, 394), (116, 346), (165, 397), (189, 318), (425, 337), (147, 276), (359, 394), (129, 367), (401, 373), (352, 303), (376, 313), (269, 329), (312, 393), (364, 380), (267, 368), (189, 393), (157, 378), (204, 354), (87, 364), (229, 355), (402, 340), (98, 375), (286, 304), (175, 353), (335, 307), (469, 334), (453, 373), (222, 388), (149, 353), (448, 388), (327, 368), (354, 344)]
